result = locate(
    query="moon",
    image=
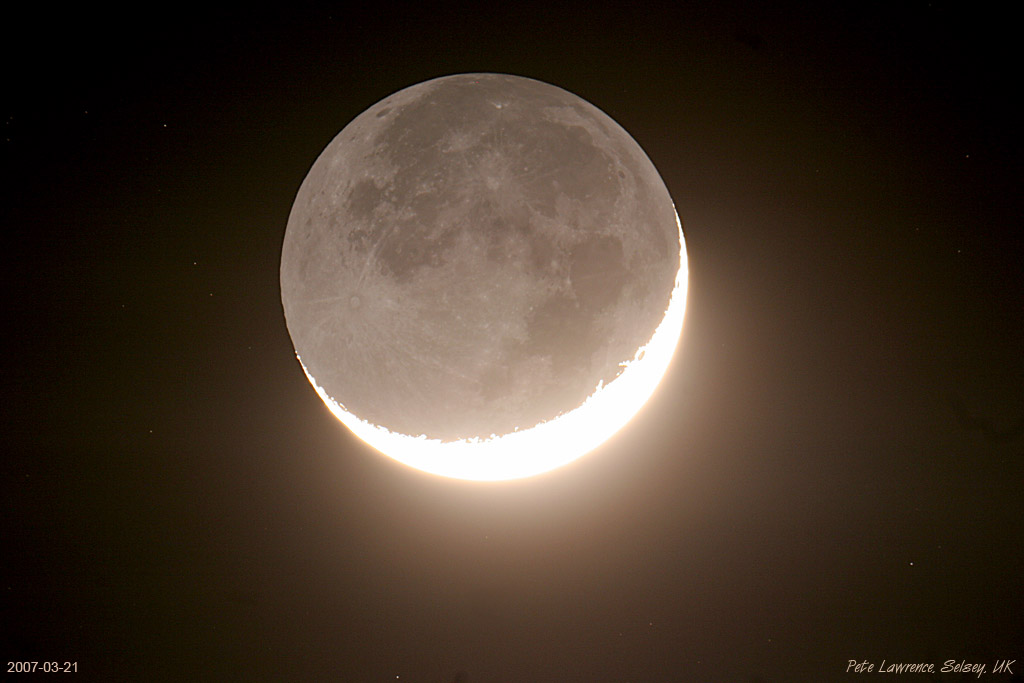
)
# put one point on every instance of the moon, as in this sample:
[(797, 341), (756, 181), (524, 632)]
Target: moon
[(484, 276)]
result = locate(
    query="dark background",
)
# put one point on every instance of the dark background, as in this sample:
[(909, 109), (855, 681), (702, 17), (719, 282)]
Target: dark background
[(831, 469)]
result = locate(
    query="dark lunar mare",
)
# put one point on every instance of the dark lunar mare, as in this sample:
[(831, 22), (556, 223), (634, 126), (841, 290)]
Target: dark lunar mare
[(473, 255)]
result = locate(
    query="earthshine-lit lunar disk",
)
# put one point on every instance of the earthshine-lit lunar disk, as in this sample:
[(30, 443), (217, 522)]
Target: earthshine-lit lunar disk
[(484, 276)]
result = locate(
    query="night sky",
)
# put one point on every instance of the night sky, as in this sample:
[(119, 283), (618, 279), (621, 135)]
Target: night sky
[(831, 470)]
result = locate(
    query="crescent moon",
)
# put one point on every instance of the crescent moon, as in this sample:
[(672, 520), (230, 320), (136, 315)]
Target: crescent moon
[(484, 277)]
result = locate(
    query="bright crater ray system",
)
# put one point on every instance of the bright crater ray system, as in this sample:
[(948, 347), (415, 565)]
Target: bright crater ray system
[(484, 276)]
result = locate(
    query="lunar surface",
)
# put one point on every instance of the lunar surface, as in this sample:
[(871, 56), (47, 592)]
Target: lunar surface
[(477, 256)]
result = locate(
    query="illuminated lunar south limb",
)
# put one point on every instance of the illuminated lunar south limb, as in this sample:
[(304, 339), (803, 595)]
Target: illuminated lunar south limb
[(484, 276)]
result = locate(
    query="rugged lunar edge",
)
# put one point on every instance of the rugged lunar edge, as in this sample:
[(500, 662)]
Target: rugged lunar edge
[(474, 255)]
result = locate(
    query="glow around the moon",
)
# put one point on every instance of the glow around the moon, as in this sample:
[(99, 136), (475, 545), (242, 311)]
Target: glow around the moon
[(548, 445)]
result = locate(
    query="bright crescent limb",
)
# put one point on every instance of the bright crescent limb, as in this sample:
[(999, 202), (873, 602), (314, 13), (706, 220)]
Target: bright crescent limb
[(550, 444)]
